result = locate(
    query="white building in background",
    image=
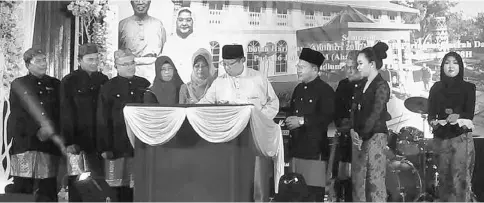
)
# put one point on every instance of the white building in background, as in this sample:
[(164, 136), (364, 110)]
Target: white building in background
[(261, 24)]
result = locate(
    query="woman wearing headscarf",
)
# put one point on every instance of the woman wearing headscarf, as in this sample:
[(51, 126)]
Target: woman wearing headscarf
[(201, 78), (185, 40), (451, 106), (369, 135), (166, 85)]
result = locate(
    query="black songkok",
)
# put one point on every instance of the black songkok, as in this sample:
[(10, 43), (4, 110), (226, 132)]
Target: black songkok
[(86, 49), (31, 53), (233, 51), (311, 56)]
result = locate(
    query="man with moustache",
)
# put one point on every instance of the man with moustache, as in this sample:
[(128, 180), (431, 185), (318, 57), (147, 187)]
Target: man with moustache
[(241, 85), (311, 111), (34, 117), (144, 35), (112, 141), (183, 43), (79, 95)]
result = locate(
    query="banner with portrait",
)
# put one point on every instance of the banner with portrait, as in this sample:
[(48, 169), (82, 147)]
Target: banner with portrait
[(273, 33)]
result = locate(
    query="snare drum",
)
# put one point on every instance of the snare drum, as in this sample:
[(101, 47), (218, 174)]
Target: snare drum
[(408, 141), (403, 183)]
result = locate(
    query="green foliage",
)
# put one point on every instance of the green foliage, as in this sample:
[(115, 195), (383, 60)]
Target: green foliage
[(461, 29), (428, 10), (93, 17), (11, 39), (284, 98)]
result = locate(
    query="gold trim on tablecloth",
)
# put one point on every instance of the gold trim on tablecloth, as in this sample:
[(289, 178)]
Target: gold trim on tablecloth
[(119, 172), (34, 164)]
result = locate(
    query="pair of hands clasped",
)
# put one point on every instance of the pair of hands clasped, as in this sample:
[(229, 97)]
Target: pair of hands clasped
[(357, 141), (452, 118)]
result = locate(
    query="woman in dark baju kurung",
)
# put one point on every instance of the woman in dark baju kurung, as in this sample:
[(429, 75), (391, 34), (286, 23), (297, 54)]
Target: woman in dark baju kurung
[(451, 107), (167, 83), (370, 132)]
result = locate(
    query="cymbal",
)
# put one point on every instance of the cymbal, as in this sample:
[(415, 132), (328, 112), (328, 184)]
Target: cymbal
[(416, 104)]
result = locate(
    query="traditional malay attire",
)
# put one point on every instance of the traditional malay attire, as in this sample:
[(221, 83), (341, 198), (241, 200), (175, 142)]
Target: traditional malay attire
[(34, 103), (113, 142), (313, 102), (79, 95), (453, 141)]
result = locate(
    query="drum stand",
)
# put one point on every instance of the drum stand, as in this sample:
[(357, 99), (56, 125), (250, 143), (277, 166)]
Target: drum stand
[(426, 196)]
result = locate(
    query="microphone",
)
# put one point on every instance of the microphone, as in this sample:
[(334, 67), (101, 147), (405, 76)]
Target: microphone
[(59, 142), (56, 139)]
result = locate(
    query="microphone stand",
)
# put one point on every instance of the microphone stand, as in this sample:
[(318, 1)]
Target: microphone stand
[(425, 162)]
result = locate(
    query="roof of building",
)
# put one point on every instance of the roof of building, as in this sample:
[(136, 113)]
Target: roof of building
[(349, 14), (377, 5)]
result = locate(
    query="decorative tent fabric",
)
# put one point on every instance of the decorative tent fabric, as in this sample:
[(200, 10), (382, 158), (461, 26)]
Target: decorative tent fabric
[(156, 125), (333, 30)]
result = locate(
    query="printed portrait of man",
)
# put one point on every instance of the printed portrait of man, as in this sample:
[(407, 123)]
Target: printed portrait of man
[(144, 35)]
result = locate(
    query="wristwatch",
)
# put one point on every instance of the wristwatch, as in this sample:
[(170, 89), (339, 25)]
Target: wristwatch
[(301, 121)]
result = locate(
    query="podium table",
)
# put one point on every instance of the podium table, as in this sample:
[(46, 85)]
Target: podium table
[(201, 153)]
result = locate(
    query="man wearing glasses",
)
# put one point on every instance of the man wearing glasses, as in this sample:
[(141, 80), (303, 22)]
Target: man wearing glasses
[(182, 44), (112, 139), (144, 35), (311, 111), (79, 95), (241, 85), (34, 117)]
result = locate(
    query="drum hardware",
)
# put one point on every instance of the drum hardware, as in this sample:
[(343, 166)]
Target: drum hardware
[(416, 105), (403, 183), (419, 105)]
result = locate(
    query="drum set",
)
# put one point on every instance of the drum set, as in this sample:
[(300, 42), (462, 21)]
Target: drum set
[(412, 174)]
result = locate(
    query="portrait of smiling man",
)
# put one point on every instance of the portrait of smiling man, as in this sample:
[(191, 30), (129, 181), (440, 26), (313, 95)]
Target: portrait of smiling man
[(144, 36)]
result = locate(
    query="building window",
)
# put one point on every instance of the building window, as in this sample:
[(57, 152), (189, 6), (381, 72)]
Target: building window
[(281, 57), (309, 12), (253, 55), (392, 16), (282, 11), (183, 3), (254, 6), (309, 18), (215, 49), (375, 14), (217, 5)]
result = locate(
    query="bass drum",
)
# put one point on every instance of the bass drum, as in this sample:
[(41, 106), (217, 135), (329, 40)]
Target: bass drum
[(403, 182)]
